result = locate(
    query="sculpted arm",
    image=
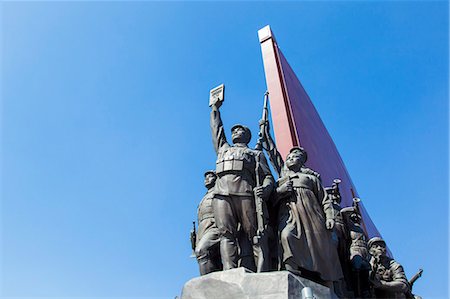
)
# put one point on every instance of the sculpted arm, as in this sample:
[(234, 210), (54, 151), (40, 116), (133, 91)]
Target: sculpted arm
[(217, 131), (327, 204), (284, 188), (399, 282), (393, 286), (265, 177)]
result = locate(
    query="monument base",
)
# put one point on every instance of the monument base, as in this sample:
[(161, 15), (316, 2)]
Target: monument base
[(242, 283)]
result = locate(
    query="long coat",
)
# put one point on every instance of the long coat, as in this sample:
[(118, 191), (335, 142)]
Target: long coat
[(302, 230)]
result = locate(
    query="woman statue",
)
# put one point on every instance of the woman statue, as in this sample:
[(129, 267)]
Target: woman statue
[(305, 219)]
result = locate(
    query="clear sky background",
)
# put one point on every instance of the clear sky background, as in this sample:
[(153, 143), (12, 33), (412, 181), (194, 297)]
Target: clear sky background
[(105, 130)]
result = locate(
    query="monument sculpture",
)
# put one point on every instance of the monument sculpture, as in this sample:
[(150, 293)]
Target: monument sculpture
[(206, 241), (386, 276), (339, 236), (306, 217), (242, 176), (283, 235), (305, 222), (358, 254)]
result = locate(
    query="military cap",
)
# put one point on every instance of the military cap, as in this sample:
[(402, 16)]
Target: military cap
[(348, 210), (246, 129), (210, 172), (374, 240)]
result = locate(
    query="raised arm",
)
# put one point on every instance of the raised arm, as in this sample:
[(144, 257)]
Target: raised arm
[(217, 131)]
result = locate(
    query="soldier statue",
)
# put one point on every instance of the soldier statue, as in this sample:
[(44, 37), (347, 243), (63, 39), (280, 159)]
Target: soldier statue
[(358, 253), (207, 239), (386, 275), (340, 238), (238, 170)]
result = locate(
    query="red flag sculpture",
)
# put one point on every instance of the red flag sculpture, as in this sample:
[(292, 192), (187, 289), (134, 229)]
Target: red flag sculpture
[(297, 123)]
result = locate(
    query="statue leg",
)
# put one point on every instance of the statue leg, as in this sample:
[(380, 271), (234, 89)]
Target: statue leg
[(246, 258), (291, 266), (207, 256), (247, 217), (360, 273), (206, 265), (227, 224)]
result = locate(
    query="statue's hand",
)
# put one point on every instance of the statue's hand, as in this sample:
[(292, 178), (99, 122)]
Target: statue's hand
[(329, 223), (266, 126), (263, 192), (259, 191), (289, 186), (286, 187), (216, 105), (375, 282)]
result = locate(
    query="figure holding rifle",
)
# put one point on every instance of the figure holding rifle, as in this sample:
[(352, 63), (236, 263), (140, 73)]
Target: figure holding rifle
[(236, 188), (387, 276)]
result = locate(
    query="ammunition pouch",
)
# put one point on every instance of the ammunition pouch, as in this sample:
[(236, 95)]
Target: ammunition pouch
[(233, 164)]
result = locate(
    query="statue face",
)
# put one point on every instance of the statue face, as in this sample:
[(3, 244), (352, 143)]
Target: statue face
[(210, 180), (240, 135), (378, 249), (355, 218), (295, 160)]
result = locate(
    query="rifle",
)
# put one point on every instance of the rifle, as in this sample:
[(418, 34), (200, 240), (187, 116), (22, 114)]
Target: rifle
[(356, 201), (193, 239), (336, 183), (335, 186), (259, 202), (415, 277), (333, 191), (262, 123)]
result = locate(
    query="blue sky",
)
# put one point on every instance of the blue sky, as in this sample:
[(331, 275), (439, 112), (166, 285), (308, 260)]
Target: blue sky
[(105, 130)]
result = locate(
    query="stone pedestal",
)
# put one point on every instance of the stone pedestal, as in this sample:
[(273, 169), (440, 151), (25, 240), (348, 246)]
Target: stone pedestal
[(241, 283)]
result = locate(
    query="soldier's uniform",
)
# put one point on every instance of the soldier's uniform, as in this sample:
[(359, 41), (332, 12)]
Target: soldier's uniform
[(389, 271), (358, 253), (339, 236), (233, 194), (207, 248)]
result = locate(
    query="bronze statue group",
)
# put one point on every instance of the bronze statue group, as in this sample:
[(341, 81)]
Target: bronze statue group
[(247, 219)]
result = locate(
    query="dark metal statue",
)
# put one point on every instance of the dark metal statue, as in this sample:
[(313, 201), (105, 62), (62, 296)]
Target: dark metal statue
[(305, 223), (242, 175), (339, 230), (340, 238), (386, 276), (306, 216), (411, 284), (358, 253), (207, 239), (415, 277)]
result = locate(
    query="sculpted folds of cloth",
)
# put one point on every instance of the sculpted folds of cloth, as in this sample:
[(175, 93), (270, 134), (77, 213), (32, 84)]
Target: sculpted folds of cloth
[(387, 277), (305, 222)]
